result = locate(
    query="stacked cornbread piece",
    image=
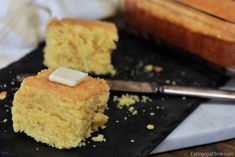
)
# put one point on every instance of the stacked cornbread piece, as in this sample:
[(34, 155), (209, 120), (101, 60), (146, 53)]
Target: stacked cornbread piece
[(56, 114), (85, 45)]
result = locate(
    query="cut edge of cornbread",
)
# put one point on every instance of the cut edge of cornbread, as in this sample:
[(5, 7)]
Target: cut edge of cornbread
[(57, 118), (85, 45)]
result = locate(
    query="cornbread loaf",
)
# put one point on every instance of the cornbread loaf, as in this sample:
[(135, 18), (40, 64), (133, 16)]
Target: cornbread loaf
[(84, 45), (188, 25), (59, 115)]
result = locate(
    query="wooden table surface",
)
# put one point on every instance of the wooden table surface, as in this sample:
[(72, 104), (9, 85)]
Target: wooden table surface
[(225, 146)]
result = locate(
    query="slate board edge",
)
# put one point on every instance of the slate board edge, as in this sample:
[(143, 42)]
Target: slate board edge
[(157, 141)]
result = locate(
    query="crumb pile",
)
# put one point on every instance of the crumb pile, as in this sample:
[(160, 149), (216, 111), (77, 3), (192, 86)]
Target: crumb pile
[(128, 100)]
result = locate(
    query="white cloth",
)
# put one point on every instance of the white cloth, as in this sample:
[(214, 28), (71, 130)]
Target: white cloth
[(22, 22)]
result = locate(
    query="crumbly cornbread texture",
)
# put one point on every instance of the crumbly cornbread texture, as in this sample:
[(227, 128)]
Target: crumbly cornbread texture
[(85, 45), (3, 95), (59, 115)]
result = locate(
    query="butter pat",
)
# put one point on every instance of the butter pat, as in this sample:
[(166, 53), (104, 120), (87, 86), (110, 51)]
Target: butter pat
[(67, 76)]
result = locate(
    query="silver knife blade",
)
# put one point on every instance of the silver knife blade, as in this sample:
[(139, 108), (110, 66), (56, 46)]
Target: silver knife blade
[(130, 86)]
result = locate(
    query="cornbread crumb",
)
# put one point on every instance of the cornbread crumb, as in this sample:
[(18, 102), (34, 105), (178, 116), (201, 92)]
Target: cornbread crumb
[(132, 141), (37, 149), (151, 113), (81, 144), (135, 112), (98, 138), (4, 120), (80, 44), (148, 67), (168, 81), (131, 109), (150, 126), (145, 99), (3, 85), (103, 127), (3, 95), (157, 69)]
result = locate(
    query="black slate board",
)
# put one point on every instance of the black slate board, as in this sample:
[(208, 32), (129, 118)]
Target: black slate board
[(129, 59)]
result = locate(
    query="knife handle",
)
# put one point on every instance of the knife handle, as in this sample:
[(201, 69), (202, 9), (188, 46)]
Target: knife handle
[(196, 92)]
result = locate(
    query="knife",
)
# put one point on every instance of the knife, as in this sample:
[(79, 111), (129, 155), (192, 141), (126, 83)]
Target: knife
[(148, 87)]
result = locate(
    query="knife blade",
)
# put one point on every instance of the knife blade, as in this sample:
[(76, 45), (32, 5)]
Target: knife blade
[(145, 87), (131, 86)]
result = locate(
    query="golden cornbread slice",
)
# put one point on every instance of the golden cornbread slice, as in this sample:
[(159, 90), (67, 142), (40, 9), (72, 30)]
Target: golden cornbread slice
[(85, 45), (59, 115)]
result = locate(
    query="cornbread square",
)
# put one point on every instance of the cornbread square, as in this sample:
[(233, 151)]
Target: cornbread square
[(84, 45), (59, 115)]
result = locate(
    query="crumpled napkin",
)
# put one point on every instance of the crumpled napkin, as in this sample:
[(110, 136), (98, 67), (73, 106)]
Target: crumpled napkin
[(23, 22)]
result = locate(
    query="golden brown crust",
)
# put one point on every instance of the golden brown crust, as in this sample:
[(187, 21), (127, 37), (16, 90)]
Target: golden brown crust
[(108, 26), (82, 91), (184, 27), (223, 9)]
